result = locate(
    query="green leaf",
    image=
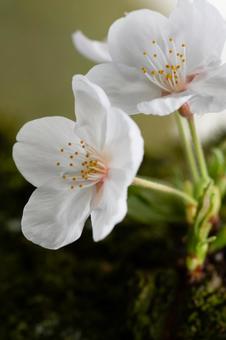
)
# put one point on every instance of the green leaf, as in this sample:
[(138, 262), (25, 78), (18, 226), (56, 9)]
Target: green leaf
[(147, 207)]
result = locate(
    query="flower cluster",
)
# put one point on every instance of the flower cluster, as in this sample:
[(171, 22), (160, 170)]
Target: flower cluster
[(148, 64)]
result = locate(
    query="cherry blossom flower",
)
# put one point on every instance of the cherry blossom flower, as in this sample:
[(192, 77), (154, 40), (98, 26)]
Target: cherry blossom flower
[(158, 63), (80, 168)]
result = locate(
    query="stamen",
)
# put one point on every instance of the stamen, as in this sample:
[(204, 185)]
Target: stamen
[(167, 67), (88, 167)]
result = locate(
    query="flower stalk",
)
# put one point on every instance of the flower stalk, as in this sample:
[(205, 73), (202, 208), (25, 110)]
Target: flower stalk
[(209, 197), (188, 148), (198, 148), (165, 189)]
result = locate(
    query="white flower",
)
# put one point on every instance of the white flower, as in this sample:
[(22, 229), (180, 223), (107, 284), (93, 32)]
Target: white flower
[(79, 168), (159, 64), (96, 51)]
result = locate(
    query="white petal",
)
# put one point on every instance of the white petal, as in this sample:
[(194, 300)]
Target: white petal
[(53, 219), (37, 150), (125, 86), (201, 27), (164, 105), (91, 107), (210, 91), (112, 206), (96, 51), (132, 35), (212, 82), (124, 143)]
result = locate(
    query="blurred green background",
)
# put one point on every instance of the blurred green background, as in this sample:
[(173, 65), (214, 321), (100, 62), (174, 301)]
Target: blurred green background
[(38, 58)]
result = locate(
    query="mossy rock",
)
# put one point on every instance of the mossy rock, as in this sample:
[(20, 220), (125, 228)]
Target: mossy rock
[(167, 306)]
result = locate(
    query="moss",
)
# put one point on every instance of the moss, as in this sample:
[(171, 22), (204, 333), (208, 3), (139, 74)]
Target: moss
[(166, 306), (149, 312), (204, 312)]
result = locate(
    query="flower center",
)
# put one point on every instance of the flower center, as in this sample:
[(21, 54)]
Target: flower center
[(81, 165), (166, 67)]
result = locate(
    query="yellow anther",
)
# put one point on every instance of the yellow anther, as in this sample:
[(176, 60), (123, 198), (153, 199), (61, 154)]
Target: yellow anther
[(169, 76), (178, 67), (58, 163), (154, 42), (155, 55), (144, 53), (74, 179), (183, 60), (181, 55), (153, 73), (167, 66), (64, 177), (144, 70), (170, 39), (161, 72)]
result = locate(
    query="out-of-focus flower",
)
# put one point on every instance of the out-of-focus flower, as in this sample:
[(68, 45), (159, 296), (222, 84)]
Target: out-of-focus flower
[(94, 50), (79, 168), (207, 125), (159, 64)]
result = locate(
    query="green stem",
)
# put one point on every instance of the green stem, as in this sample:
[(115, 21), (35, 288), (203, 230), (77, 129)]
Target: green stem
[(198, 148), (188, 148), (165, 189)]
